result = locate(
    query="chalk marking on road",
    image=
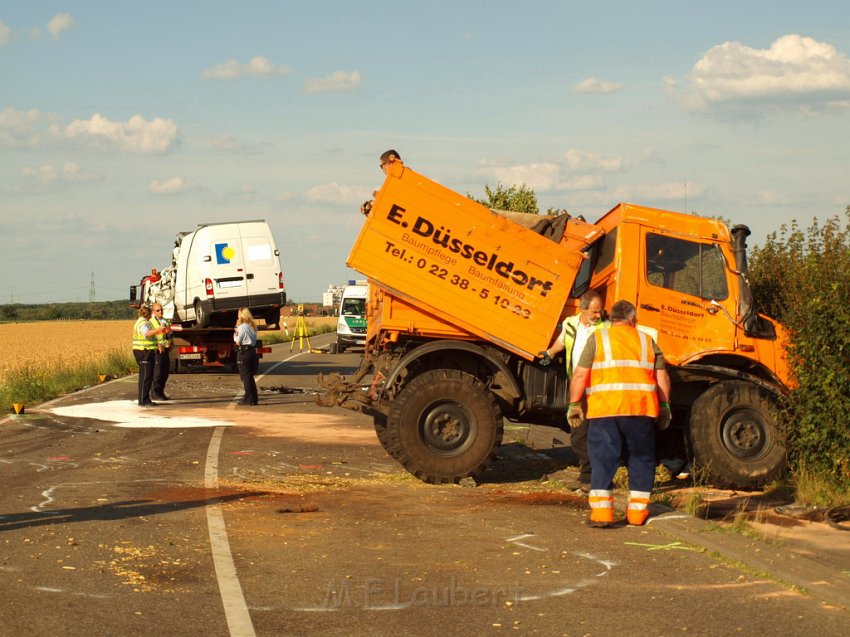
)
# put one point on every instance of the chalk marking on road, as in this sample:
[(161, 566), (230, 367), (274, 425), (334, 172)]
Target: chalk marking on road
[(667, 516), (235, 609), (51, 589), (516, 540), (672, 546), (48, 499), (41, 467)]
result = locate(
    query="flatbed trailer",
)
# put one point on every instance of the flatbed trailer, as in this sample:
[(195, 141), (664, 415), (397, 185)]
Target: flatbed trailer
[(209, 347)]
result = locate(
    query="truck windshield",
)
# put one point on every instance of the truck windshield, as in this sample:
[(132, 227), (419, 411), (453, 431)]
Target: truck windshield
[(354, 307), (688, 267), (600, 254)]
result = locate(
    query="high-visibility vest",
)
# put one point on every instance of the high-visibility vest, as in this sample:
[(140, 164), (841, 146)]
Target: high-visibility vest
[(622, 378), (139, 340), (162, 339), (570, 326)]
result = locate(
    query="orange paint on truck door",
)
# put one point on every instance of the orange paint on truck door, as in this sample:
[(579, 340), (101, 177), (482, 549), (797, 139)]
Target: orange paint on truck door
[(456, 259)]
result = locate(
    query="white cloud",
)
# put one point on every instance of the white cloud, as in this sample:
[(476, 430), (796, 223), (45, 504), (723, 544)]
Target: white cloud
[(337, 194), (795, 72), (257, 66), (59, 23), (670, 191), (5, 34), (35, 129), (66, 173), (594, 86), (173, 186), (136, 135), (336, 82), (584, 161), (540, 177)]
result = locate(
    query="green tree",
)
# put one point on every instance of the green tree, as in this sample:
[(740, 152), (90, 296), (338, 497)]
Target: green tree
[(516, 198), (802, 278)]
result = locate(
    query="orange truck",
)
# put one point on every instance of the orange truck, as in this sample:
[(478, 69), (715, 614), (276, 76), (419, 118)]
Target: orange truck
[(463, 298)]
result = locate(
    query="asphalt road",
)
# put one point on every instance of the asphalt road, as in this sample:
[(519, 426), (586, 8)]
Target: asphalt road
[(204, 517)]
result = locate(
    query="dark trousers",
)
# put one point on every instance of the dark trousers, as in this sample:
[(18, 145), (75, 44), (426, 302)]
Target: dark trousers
[(578, 441), (247, 361), (145, 359), (161, 370), (607, 441)]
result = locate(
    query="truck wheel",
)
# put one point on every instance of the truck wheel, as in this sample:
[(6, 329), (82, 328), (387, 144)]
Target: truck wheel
[(202, 319), (734, 436), (444, 426), (381, 432)]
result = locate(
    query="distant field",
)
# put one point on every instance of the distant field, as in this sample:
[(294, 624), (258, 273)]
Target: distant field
[(51, 343), (46, 344)]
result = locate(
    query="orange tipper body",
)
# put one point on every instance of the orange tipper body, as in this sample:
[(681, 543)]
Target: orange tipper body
[(680, 272), (445, 266)]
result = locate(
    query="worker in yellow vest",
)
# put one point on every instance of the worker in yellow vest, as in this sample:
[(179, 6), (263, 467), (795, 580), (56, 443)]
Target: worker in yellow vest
[(575, 331), (144, 349), (624, 378), (162, 356)]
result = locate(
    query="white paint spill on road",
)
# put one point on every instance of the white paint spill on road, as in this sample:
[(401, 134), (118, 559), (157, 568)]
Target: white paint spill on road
[(126, 413)]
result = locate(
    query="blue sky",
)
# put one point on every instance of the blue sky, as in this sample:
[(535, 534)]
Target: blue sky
[(122, 123)]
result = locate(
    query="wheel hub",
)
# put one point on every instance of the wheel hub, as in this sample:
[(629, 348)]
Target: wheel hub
[(447, 429), (744, 434)]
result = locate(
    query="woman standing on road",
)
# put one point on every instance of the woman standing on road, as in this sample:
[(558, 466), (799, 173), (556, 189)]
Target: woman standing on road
[(245, 337)]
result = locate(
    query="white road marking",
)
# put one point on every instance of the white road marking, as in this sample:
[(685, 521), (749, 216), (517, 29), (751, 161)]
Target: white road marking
[(235, 609)]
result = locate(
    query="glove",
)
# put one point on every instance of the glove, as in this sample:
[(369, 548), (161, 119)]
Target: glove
[(575, 415), (664, 416), (545, 356)]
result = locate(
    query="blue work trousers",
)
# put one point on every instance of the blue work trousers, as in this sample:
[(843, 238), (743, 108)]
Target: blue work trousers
[(611, 438)]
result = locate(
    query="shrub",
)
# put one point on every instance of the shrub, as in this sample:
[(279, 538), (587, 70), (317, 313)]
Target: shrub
[(802, 278)]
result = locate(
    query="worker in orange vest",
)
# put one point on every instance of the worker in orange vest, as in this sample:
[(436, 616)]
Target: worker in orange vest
[(623, 374)]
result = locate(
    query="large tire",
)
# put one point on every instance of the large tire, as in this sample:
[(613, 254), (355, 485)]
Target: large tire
[(735, 439), (381, 431), (444, 426), (202, 318)]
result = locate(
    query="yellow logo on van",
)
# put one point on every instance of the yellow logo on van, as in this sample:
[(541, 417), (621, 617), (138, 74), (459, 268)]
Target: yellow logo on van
[(224, 253)]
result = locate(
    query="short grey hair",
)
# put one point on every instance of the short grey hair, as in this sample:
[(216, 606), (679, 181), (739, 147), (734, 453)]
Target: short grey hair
[(587, 298), (623, 312)]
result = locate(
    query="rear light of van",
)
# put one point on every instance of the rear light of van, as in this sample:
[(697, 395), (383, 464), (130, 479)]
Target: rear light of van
[(208, 286), (280, 280)]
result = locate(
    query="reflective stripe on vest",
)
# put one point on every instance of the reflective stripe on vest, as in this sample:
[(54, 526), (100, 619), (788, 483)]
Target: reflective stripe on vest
[(622, 378), (139, 340)]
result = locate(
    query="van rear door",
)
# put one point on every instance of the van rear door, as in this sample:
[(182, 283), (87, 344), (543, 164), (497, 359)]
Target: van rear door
[(227, 267), (262, 265)]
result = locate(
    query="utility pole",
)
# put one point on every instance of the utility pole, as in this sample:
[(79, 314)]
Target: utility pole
[(91, 287)]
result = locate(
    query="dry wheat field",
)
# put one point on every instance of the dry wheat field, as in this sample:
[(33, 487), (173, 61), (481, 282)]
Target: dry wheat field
[(48, 344)]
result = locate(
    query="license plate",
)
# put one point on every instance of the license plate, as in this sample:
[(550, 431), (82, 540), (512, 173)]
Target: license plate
[(196, 356), (230, 284)]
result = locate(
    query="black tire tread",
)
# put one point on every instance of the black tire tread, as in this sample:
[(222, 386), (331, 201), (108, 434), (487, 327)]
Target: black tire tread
[(455, 383), (719, 466)]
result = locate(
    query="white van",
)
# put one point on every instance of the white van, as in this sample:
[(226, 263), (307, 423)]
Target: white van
[(219, 268), (351, 326)]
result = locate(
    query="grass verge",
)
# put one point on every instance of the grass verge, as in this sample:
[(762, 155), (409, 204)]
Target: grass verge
[(32, 385)]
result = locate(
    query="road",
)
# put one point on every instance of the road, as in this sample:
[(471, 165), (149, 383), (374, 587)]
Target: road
[(204, 517)]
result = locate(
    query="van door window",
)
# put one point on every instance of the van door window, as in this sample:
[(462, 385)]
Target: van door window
[(688, 267)]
